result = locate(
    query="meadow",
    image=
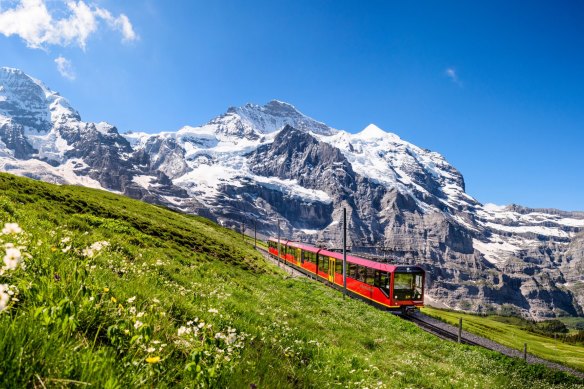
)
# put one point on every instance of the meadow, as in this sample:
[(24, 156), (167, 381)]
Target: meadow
[(100, 290), (512, 332)]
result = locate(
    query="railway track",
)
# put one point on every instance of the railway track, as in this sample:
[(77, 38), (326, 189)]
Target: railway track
[(450, 333), (440, 332)]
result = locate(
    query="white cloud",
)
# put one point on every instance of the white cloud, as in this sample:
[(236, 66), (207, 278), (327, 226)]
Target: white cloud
[(451, 73), (33, 22), (65, 67)]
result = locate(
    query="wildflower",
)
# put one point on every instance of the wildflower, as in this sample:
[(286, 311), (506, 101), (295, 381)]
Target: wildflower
[(156, 301), (11, 228), (12, 258), (87, 252), (231, 338), (140, 314), (213, 311), (97, 246), (114, 300), (53, 249), (153, 359), (131, 299), (106, 289), (4, 296), (183, 330), (132, 310), (150, 349), (66, 249), (138, 324)]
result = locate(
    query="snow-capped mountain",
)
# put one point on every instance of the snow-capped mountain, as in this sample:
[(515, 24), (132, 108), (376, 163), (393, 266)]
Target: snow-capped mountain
[(42, 136), (260, 164)]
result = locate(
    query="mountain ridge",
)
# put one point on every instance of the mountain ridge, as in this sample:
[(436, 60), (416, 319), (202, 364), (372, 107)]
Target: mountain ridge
[(259, 164)]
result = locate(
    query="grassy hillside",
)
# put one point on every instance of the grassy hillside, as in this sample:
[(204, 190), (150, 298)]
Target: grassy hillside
[(115, 293), (511, 332)]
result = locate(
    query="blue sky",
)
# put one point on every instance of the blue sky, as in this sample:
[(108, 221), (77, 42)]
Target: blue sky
[(497, 88)]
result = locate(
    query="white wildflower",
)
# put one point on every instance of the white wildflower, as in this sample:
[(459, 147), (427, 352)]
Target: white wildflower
[(66, 249), (11, 228), (132, 310), (213, 311), (87, 252), (132, 299), (140, 314), (231, 338), (151, 350), (97, 246), (66, 239), (138, 324), (12, 258), (4, 296)]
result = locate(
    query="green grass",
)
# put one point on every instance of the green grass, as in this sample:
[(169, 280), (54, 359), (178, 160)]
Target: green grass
[(573, 322), (509, 332), (172, 300)]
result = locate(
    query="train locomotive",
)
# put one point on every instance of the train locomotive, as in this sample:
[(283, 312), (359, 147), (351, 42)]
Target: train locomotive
[(387, 286)]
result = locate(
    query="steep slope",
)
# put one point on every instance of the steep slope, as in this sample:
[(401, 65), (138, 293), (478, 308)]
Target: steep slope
[(273, 166), (119, 293)]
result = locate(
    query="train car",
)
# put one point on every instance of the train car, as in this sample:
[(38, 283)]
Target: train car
[(392, 287)]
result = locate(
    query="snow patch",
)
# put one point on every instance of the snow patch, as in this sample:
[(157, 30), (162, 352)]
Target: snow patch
[(143, 181)]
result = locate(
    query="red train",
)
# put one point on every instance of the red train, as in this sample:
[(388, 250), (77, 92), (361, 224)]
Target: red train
[(383, 285)]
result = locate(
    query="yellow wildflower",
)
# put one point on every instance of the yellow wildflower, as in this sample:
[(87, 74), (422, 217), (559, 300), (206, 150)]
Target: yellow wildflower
[(106, 290), (114, 300), (153, 359)]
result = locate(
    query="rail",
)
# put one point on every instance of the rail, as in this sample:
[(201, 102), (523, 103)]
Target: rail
[(450, 333)]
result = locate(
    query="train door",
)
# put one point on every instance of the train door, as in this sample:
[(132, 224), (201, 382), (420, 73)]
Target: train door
[(298, 256), (331, 269)]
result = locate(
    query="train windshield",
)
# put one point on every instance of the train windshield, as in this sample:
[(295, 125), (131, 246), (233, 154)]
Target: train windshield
[(407, 286)]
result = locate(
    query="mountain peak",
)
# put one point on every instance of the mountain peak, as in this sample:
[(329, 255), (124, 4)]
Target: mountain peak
[(9, 70), (265, 119), (372, 132)]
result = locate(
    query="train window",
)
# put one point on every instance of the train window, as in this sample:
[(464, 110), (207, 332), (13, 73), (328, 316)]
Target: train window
[(361, 273), (382, 281), (325, 264), (319, 261), (370, 276), (376, 278), (407, 286), (352, 270), (339, 266), (418, 286)]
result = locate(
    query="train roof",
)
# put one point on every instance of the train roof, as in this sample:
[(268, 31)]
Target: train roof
[(350, 258)]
